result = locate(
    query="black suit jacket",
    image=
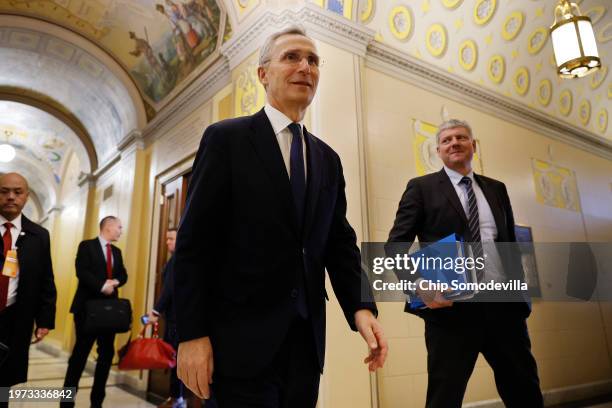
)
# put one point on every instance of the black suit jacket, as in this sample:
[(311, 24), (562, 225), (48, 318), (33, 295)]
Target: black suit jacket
[(239, 251), (165, 303), (36, 297), (91, 272), (431, 210)]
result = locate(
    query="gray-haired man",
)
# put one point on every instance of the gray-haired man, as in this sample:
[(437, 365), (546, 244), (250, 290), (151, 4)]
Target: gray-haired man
[(456, 200), (265, 217)]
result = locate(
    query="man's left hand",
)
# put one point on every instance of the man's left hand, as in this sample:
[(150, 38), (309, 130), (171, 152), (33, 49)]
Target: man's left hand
[(41, 332), (372, 333)]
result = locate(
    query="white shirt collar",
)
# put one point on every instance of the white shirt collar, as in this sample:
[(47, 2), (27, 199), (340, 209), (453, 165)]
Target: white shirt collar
[(16, 222), (456, 177), (103, 241), (278, 119)]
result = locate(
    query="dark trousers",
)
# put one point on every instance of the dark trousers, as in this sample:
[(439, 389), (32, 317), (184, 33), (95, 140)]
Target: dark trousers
[(503, 340), (291, 381), (78, 359), (7, 317)]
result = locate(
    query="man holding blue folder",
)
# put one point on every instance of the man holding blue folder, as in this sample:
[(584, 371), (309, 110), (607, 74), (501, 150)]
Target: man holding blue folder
[(476, 208)]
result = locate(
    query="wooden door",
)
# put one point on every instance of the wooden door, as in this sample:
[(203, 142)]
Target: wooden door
[(174, 194)]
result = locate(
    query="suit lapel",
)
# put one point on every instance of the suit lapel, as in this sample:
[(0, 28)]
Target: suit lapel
[(314, 158), (493, 204), (449, 191), (98, 250), (265, 144)]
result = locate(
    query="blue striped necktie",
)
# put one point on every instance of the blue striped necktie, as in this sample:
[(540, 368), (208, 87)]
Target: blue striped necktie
[(473, 223)]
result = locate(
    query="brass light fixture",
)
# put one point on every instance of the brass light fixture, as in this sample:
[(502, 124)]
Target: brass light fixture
[(573, 41)]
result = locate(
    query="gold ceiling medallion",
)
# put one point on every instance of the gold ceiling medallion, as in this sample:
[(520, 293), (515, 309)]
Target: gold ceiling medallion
[(536, 40), (602, 120), (512, 26), (451, 4), (584, 111), (598, 77), (366, 10), (565, 102), (400, 22), (605, 33), (436, 40), (484, 10), (545, 92), (468, 55), (521, 81), (574, 44), (595, 13), (497, 69)]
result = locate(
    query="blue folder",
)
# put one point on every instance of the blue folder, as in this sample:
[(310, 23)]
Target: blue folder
[(448, 247)]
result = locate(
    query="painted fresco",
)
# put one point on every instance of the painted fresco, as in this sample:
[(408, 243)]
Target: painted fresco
[(160, 42)]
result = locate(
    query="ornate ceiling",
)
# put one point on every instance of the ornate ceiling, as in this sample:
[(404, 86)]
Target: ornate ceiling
[(501, 45), (161, 43)]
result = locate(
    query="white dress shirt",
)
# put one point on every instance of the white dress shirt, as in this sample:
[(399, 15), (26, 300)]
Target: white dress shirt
[(15, 232), (279, 122), (103, 242), (488, 228)]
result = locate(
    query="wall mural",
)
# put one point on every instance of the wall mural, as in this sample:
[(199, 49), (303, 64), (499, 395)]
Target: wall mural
[(555, 186), (160, 42)]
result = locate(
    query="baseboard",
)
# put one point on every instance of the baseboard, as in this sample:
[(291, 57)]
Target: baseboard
[(557, 396)]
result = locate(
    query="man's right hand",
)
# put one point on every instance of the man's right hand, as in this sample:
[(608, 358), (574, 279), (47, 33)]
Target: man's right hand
[(195, 365), (109, 287), (433, 299)]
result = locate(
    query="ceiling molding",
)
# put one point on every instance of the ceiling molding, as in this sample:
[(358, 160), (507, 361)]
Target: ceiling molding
[(402, 66), (319, 23), (56, 109)]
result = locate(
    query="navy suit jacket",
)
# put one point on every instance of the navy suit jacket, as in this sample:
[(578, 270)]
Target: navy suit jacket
[(165, 303), (240, 253), (91, 272)]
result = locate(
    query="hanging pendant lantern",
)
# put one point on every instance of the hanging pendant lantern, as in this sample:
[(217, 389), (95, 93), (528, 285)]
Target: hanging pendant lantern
[(573, 41)]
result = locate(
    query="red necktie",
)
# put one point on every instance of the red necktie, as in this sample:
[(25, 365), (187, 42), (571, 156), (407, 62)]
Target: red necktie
[(7, 240), (109, 262)]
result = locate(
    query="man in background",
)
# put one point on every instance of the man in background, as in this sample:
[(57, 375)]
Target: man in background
[(100, 270), (27, 286)]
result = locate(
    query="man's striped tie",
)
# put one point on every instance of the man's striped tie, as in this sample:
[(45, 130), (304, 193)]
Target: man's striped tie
[(473, 224)]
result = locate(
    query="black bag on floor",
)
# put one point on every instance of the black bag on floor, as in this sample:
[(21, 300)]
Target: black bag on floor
[(107, 316)]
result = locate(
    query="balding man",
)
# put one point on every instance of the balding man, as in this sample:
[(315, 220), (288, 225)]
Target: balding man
[(100, 270), (27, 287)]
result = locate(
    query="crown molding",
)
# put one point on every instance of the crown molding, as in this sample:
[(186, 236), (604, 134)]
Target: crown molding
[(398, 64), (320, 24)]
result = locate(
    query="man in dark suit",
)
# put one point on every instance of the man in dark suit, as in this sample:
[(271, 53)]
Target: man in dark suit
[(477, 208), (100, 270), (27, 300), (265, 216)]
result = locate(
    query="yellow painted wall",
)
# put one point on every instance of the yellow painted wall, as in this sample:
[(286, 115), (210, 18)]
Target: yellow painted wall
[(568, 339)]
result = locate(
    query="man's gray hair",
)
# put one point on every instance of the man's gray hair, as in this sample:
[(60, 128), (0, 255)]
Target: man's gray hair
[(264, 53), (451, 124)]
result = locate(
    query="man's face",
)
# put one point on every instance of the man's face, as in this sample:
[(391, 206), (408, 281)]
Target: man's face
[(113, 229), (456, 148), (171, 240), (292, 74), (13, 195)]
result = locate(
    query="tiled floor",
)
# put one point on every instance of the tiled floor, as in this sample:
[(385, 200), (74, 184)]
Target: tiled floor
[(48, 371)]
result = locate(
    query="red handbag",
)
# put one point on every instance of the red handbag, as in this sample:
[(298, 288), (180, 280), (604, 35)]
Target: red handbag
[(147, 353)]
